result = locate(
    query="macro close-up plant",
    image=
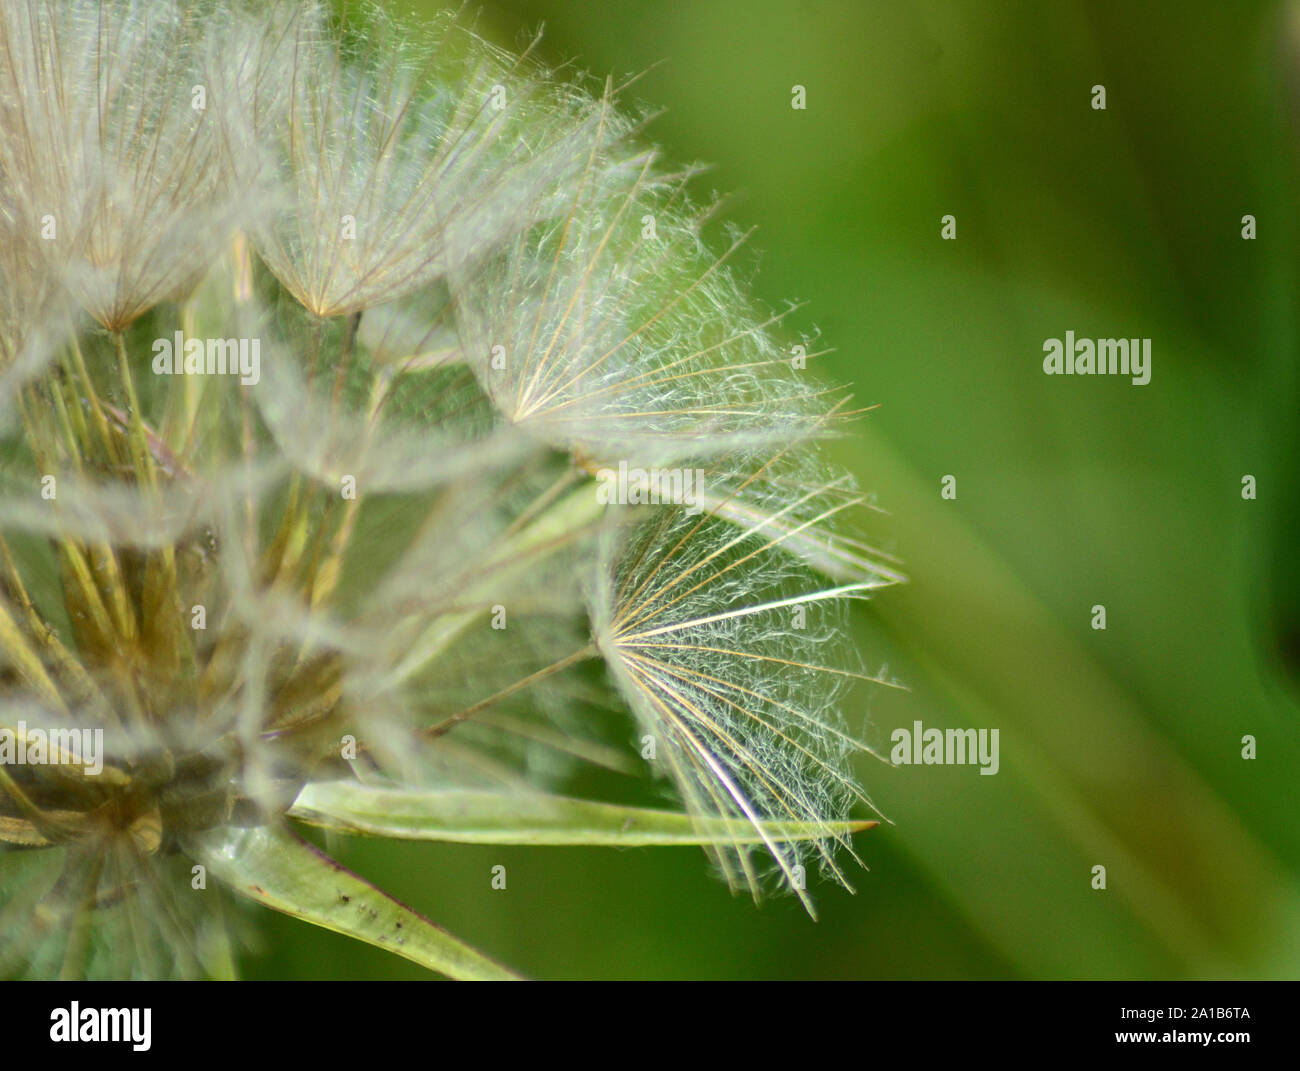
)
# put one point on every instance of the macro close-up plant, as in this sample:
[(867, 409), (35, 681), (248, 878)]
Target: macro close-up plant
[(388, 431), (609, 490)]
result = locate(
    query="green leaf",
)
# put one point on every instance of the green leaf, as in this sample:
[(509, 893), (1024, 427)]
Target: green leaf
[(504, 818), (283, 872)]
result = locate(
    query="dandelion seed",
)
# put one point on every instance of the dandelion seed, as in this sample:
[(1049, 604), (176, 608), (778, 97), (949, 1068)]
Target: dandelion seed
[(112, 178), (396, 165), (624, 345), (692, 615)]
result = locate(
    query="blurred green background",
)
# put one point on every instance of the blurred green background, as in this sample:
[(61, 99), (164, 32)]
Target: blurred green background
[(1120, 747)]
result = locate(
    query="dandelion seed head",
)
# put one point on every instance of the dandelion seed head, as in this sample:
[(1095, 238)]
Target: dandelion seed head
[(381, 559)]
